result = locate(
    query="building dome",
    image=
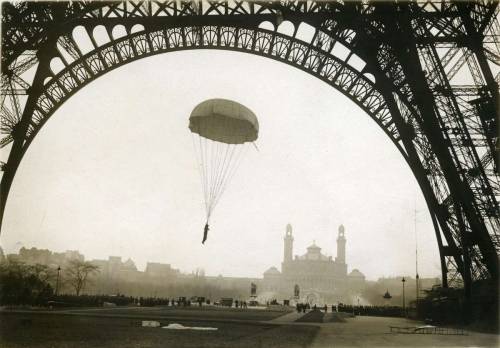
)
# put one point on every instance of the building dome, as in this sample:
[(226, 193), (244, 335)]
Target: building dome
[(273, 271), (129, 265), (355, 273), (313, 248)]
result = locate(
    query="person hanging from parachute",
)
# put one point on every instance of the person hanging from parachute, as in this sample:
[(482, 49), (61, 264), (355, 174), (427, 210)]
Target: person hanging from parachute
[(205, 233), (221, 131)]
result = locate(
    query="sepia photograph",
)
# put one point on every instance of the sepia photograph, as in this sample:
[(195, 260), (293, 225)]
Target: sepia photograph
[(249, 174)]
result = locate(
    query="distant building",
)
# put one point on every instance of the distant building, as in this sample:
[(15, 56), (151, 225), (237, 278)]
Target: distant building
[(356, 281), (319, 277), (129, 265), (33, 256), (113, 273), (242, 284), (46, 257), (73, 255), (160, 270), (114, 269)]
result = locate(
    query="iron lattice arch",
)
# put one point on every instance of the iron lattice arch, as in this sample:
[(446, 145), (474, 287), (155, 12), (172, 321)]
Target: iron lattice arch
[(423, 71)]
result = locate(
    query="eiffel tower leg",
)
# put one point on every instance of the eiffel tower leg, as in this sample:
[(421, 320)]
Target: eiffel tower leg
[(21, 129)]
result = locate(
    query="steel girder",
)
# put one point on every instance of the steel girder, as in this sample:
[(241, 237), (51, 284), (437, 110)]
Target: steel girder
[(414, 54)]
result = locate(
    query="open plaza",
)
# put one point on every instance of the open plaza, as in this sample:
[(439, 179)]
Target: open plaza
[(211, 326)]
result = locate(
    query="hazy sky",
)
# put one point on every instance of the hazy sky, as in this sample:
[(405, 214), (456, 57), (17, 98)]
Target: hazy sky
[(114, 173)]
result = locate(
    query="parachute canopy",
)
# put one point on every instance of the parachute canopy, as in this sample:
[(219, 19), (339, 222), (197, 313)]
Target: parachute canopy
[(224, 121), (222, 130)]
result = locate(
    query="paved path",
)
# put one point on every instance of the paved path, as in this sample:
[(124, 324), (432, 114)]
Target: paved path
[(374, 332), (287, 318)]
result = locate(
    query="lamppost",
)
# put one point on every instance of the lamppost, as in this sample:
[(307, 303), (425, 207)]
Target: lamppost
[(418, 285), (417, 296), (57, 280), (404, 304)]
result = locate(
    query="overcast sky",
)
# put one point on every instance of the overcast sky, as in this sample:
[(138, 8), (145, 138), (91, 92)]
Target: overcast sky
[(114, 173)]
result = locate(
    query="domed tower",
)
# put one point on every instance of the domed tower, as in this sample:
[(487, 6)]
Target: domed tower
[(341, 245), (288, 250)]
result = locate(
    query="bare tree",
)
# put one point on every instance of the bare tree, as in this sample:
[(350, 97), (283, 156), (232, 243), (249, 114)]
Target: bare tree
[(77, 273)]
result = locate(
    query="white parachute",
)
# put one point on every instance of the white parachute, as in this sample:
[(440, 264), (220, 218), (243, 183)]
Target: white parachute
[(222, 130)]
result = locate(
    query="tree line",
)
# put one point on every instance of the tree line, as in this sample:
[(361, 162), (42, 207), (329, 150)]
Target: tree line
[(23, 284)]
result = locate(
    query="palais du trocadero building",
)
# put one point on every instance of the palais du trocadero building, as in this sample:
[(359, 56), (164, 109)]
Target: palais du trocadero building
[(320, 278)]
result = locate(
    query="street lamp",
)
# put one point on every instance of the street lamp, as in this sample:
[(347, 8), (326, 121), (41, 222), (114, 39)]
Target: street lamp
[(57, 280), (418, 285), (404, 304), (417, 294)]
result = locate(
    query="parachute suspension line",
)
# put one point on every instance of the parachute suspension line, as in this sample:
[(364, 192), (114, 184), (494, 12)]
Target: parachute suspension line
[(223, 154), (239, 159), (221, 174), (220, 177), (211, 162), (213, 183), (210, 168), (200, 157), (229, 173), (233, 170), (221, 170), (217, 172), (213, 169), (224, 172), (203, 149), (207, 171), (230, 168), (217, 165), (199, 160), (203, 179)]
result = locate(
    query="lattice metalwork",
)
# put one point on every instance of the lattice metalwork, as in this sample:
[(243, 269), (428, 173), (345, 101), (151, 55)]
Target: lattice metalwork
[(425, 71)]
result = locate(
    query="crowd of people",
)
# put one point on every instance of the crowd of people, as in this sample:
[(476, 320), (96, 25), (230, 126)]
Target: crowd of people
[(103, 300), (122, 300), (303, 307), (382, 311), (240, 304), (379, 311), (67, 300)]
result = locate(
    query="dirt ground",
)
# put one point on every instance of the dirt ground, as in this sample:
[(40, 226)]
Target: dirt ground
[(121, 327), (90, 330), (186, 313)]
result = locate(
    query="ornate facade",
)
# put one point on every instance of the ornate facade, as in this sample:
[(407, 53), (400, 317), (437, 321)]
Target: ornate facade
[(320, 277)]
